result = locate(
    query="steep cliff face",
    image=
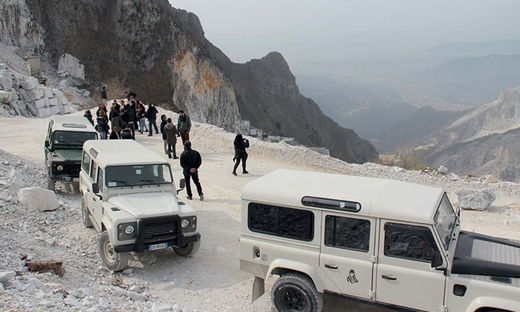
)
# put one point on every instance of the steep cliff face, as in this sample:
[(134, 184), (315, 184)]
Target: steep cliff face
[(485, 141), (161, 53)]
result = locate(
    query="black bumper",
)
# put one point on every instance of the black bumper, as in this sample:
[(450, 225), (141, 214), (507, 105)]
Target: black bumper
[(181, 241)]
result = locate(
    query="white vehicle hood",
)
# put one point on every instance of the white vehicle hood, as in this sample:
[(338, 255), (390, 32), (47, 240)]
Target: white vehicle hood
[(146, 205)]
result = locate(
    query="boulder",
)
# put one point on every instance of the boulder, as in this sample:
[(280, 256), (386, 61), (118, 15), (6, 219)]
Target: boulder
[(39, 103), (38, 199), (36, 94), (17, 178), (442, 170), (5, 97), (475, 200), (6, 276), (6, 81)]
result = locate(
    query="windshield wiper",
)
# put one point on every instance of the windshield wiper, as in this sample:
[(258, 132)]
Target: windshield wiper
[(122, 182), (151, 182)]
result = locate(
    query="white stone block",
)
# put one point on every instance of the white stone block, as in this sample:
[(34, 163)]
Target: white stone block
[(46, 101), (47, 92), (36, 94), (57, 93), (65, 109), (5, 97), (39, 103), (2, 67), (30, 83), (6, 81), (55, 110), (53, 101), (63, 100), (44, 112)]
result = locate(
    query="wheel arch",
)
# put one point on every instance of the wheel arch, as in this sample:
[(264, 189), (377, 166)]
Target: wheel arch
[(282, 266), (487, 304)]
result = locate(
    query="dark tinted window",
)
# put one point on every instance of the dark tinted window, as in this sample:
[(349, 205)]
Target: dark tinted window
[(67, 139), (409, 242), (347, 233), (281, 221), (85, 162)]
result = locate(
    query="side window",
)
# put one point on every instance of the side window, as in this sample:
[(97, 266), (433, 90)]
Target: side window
[(348, 233), (93, 170), (100, 178), (409, 242), (281, 221), (85, 162)]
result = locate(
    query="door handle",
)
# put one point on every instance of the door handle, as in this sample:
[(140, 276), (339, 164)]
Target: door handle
[(331, 266), (389, 277)]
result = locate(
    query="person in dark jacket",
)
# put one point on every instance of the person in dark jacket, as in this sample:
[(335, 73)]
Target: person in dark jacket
[(190, 163), (171, 137), (184, 126), (151, 114), (161, 126), (126, 134), (102, 125), (104, 94), (114, 135), (240, 153), (88, 115), (117, 122)]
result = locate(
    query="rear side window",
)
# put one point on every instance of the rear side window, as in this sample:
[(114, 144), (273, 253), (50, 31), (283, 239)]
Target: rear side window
[(281, 221), (347, 233)]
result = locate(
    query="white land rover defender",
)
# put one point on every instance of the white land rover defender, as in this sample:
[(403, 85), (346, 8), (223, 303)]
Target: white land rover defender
[(129, 196), (387, 242)]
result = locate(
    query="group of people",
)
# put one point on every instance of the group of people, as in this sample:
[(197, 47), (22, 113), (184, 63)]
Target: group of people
[(125, 118)]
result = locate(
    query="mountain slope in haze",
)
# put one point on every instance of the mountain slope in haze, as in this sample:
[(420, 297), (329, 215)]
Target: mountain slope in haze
[(467, 49), (423, 122), (369, 109), (477, 79), (162, 54)]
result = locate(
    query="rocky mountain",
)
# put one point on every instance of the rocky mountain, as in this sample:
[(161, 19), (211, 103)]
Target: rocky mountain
[(161, 53), (483, 141)]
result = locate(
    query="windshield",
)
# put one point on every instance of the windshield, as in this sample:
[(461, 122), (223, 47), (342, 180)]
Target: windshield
[(445, 220), (69, 139), (137, 175)]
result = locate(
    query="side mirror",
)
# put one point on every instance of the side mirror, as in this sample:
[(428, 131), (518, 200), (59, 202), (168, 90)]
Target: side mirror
[(95, 188), (436, 259), (182, 185), (47, 143)]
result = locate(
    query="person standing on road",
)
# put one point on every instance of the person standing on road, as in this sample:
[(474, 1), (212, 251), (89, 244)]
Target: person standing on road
[(240, 153), (102, 125), (151, 114), (171, 137), (88, 115), (184, 126), (161, 126), (190, 163), (104, 97)]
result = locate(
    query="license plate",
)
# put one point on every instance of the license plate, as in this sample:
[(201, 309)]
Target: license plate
[(75, 179), (158, 246)]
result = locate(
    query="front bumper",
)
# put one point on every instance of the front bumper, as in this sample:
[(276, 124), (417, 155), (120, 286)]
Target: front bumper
[(177, 242)]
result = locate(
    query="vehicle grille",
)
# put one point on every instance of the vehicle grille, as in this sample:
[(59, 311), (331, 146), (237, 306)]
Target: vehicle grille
[(157, 229)]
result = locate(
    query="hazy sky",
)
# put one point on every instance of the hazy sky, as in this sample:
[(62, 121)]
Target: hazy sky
[(306, 30)]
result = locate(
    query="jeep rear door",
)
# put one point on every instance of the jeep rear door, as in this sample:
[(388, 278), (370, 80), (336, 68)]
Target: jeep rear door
[(346, 253), (404, 273)]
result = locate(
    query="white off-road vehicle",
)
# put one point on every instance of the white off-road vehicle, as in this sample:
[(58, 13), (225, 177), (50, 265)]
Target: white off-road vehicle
[(129, 196), (387, 242)]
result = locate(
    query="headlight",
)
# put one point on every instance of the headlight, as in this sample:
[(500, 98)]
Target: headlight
[(185, 223), (129, 229), (60, 168)]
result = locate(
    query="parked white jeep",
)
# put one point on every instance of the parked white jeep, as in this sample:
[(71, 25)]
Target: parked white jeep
[(129, 196), (387, 242)]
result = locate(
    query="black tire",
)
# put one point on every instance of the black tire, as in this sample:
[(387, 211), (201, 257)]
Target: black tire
[(114, 261), (51, 185), (85, 215), (295, 292), (188, 250)]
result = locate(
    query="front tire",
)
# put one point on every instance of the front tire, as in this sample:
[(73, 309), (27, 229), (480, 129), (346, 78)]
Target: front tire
[(295, 292), (113, 260), (85, 214), (188, 250)]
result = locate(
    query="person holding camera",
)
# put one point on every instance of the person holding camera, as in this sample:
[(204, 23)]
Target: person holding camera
[(240, 153)]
